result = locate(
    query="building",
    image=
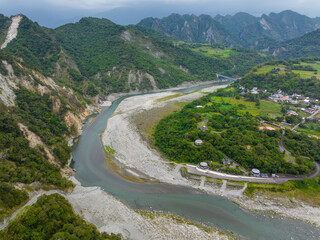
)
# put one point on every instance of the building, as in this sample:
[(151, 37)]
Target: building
[(226, 161), (254, 90), (203, 166), (203, 128), (198, 142), (270, 129), (291, 112), (255, 172), (261, 128), (248, 147)]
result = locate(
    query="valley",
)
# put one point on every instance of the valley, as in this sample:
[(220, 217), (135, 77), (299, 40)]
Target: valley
[(113, 123)]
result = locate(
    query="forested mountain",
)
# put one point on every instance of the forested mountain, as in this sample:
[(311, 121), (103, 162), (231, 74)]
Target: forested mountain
[(305, 46), (235, 24), (248, 31), (192, 28), (52, 79), (97, 56)]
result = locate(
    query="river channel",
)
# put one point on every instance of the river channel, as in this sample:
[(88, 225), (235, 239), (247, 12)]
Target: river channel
[(92, 170)]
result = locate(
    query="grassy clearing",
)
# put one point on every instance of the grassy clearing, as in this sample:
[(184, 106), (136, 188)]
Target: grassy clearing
[(307, 190), (271, 109), (147, 121), (304, 74), (309, 131), (169, 97), (302, 113), (110, 149), (240, 184), (308, 74), (207, 49), (289, 158), (265, 69)]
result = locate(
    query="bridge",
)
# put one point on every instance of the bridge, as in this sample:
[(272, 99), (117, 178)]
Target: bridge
[(228, 78)]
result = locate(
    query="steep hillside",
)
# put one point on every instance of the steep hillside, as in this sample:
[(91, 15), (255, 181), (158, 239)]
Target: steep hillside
[(242, 29), (52, 79), (116, 58), (277, 27), (4, 26), (235, 24), (192, 28), (36, 45), (305, 46), (38, 118), (97, 57)]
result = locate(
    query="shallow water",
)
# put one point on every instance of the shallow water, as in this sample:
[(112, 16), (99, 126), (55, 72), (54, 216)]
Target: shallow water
[(92, 170)]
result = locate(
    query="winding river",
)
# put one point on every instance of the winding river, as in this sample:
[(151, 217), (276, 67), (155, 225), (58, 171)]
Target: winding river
[(92, 170)]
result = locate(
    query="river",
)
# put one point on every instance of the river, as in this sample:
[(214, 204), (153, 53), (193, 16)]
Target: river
[(92, 170)]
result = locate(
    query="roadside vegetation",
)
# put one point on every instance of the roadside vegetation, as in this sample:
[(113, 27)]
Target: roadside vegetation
[(307, 190), (52, 217), (19, 163)]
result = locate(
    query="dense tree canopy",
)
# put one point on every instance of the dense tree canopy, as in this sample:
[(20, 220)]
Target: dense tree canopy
[(52, 217), (230, 131)]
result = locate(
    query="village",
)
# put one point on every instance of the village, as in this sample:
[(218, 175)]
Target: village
[(304, 105), (299, 106)]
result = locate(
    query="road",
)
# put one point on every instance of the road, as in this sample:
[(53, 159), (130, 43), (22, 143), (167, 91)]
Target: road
[(310, 117), (281, 145), (32, 200), (192, 169)]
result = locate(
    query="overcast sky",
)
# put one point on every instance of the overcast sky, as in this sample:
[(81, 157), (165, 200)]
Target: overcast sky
[(55, 12)]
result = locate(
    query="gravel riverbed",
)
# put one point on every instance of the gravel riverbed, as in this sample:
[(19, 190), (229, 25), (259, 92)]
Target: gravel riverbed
[(136, 154)]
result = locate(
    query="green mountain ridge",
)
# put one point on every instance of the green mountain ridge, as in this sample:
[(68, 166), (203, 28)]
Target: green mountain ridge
[(96, 56), (52, 79), (260, 33), (305, 46), (192, 28)]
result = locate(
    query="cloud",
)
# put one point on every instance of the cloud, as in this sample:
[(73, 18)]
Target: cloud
[(309, 6), (89, 4)]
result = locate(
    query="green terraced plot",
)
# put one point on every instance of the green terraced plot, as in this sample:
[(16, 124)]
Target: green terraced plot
[(309, 131), (270, 109)]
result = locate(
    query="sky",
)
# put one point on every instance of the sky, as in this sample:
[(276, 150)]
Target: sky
[(52, 13)]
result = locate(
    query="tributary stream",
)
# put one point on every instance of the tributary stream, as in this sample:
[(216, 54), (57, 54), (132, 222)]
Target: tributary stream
[(92, 170)]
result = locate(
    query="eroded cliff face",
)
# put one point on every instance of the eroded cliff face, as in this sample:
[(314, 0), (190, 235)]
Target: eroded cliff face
[(35, 141), (65, 103), (12, 31)]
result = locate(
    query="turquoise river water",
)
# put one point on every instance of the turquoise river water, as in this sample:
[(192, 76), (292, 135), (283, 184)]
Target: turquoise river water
[(92, 170)]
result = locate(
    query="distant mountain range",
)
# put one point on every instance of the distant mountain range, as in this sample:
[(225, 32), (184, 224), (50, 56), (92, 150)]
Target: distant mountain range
[(242, 29), (305, 46)]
